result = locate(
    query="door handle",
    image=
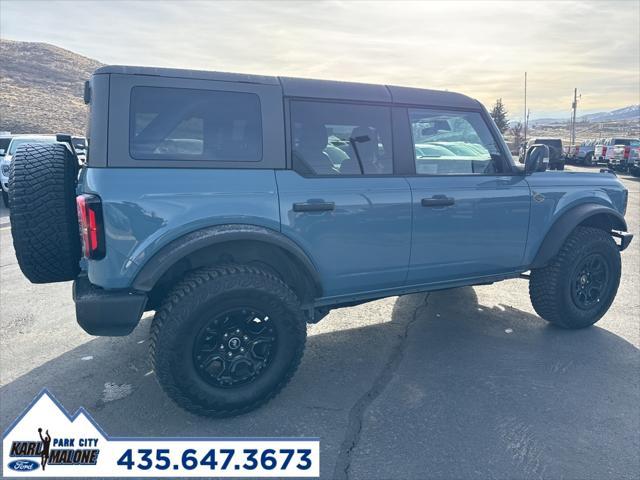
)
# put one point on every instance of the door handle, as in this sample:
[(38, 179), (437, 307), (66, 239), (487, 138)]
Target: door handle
[(313, 206), (438, 201)]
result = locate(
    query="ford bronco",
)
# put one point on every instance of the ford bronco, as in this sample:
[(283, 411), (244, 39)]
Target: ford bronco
[(240, 208)]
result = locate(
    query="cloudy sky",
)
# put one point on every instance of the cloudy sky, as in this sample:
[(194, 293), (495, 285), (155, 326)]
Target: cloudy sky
[(478, 48)]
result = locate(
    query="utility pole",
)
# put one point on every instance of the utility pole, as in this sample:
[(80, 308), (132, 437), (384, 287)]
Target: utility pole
[(526, 115), (574, 107)]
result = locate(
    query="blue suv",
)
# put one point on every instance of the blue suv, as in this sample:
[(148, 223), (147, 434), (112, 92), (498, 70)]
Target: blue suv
[(240, 208)]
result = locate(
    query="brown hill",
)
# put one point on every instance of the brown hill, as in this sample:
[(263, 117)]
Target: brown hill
[(41, 88)]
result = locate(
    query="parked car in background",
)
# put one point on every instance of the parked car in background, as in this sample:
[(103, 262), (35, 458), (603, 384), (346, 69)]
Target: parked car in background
[(624, 156), (603, 152), (5, 161), (582, 154), (634, 161), (5, 139), (556, 155)]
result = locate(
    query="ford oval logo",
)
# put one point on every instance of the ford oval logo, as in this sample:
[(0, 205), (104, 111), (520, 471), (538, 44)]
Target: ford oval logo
[(23, 465)]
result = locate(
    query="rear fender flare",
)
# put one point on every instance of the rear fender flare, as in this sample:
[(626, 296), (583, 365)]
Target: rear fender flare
[(174, 251)]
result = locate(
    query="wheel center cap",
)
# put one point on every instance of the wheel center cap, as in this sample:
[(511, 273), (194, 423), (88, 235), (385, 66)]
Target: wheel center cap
[(234, 343), (583, 279)]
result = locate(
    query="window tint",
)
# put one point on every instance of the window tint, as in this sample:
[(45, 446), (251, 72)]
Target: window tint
[(185, 124), (449, 143), (341, 139)]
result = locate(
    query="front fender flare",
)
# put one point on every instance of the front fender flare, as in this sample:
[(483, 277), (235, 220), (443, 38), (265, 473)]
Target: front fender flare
[(567, 222), (179, 248)]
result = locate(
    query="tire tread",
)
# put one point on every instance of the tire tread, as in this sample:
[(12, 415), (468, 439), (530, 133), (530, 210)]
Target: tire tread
[(44, 223), (166, 324), (545, 283)]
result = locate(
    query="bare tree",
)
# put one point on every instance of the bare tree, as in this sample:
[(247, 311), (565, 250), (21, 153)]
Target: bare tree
[(516, 129)]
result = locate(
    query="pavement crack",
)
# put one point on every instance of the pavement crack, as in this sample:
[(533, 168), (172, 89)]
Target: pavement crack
[(354, 426)]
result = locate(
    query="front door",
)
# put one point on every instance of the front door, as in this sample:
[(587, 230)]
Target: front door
[(470, 210), (341, 202)]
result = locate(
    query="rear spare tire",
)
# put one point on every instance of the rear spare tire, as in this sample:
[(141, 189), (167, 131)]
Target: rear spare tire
[(44, 222)]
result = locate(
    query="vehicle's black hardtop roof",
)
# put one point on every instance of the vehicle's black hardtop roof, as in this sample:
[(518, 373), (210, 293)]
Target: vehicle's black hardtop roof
[(303, 87)]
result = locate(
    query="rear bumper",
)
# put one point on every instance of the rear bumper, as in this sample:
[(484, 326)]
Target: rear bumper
[(106, 312)]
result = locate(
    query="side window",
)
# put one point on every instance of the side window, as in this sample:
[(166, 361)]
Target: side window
[(188, 124), (450, 143), (341, 139)]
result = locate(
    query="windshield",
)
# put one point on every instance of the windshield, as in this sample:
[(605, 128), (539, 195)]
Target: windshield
[(16, 142)]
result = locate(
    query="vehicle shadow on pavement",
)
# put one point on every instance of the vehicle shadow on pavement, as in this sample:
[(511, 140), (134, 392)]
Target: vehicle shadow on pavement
[(490, 391), (436, 389)]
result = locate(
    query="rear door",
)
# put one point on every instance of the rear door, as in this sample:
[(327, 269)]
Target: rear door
[(470, 210), (341, 201)]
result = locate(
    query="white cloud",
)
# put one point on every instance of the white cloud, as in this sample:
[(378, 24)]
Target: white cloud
[(479, 48)]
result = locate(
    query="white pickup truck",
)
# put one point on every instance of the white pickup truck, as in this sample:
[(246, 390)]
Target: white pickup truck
[(603, 152), (626, 156)]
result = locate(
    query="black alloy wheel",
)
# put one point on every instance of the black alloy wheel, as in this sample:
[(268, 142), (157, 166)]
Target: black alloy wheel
[(235, 347), (590, 281)]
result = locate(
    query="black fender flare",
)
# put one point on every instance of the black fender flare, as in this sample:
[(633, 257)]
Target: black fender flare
[(567, 222), (179, 248)]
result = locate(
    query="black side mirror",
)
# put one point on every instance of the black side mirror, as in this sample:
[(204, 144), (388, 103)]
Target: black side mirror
[(536, 159)]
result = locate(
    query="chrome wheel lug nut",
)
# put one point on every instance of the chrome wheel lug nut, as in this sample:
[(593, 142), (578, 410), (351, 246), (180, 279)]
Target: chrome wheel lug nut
[(230, 354)]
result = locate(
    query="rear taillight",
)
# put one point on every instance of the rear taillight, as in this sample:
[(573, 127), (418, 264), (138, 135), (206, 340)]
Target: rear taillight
[(604, 151), (576, 150), (627, 151), (91, 226)]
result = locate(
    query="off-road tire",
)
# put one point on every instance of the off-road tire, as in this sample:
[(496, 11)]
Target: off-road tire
[(44, 222), (550, 286), (187, 307)]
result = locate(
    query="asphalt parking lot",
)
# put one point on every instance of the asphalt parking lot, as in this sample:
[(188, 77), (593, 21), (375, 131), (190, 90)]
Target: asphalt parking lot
[(466, 383)]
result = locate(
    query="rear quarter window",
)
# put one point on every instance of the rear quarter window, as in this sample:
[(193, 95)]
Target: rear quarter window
[(191, 124)]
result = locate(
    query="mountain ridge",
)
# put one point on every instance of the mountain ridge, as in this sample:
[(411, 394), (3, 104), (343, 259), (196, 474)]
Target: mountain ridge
[(41, 88), (41, 91)]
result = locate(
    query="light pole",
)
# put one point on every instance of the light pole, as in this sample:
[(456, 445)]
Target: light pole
[(574, 107)]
